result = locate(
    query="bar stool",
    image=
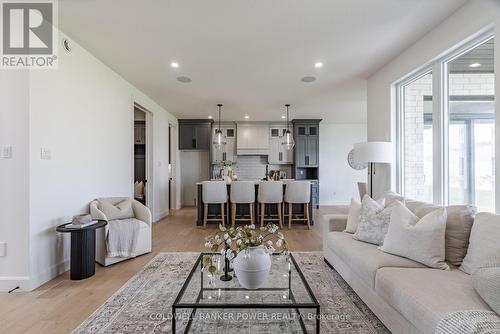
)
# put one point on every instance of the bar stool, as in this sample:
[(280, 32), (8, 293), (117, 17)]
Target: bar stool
[(298, 192), (270, 192), (214, 192), (242, 192)]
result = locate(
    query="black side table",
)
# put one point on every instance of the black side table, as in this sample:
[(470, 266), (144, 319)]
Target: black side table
[(82, 264)]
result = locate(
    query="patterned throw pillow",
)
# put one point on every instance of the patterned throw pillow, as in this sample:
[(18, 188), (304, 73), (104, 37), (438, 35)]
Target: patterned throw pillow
[(373, 221)]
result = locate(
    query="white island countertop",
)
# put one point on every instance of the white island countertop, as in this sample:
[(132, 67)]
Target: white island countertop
[(255, 181)]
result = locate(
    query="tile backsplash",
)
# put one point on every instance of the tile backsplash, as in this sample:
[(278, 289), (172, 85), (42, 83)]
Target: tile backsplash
[(253, 167)]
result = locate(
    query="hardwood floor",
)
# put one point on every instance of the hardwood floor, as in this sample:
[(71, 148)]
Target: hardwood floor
[(61, 304)]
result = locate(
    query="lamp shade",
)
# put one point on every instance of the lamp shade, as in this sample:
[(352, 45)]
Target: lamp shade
[(373, 151)]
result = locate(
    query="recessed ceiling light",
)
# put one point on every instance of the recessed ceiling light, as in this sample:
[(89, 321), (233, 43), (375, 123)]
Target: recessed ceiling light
[(318, 64), (283, 116), (308, 79), (247, 117), (174, 64), (474, 65), (210, 117), (184, 79)]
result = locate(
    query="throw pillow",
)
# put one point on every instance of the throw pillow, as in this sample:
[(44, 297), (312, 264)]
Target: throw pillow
[(421, 240), (486, 282), (353, 216), (484, 242), (458, 228), (121, 210), (373, 221)]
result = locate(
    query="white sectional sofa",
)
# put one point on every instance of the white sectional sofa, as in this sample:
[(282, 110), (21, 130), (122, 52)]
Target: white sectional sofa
[(405, 295)]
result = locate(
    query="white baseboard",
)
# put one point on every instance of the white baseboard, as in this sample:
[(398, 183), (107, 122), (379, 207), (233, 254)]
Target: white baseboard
[(8, 283), (53, 271), (161, 216)]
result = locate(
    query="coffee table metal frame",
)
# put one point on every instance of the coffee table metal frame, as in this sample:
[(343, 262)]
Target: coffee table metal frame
[(197, 305)]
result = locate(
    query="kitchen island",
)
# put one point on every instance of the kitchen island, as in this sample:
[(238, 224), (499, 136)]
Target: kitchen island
[(243, 209)]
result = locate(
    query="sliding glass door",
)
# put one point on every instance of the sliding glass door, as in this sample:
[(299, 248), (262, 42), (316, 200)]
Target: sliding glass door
[(447, 130)]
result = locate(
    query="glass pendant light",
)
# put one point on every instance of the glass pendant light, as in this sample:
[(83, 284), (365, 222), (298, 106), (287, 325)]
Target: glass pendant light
[(289, 143), (219, 138)]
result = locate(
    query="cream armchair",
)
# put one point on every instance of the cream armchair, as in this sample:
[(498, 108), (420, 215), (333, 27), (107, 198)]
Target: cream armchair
[(140, 212)]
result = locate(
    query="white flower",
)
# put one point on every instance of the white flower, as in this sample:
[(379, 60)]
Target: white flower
[(270, 242), (279, 243), (251, 226), (226, 236), (228, 241), (208, 244), (222, 252), (238, 242)]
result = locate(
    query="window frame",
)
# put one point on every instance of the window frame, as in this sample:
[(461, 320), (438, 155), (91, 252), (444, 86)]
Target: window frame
[(440, 117)]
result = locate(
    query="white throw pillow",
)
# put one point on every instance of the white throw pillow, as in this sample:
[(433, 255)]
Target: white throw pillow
[(353, 216), (390, 197), (421, 240), (122, 210), (484, 242), (373, 221)]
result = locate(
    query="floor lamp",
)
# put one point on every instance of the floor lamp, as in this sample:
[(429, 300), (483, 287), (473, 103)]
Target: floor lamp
[(373, 152)]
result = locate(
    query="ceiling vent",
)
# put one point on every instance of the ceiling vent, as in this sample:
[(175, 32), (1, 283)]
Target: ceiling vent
[(308, 79), (66, 45), (184, 79)]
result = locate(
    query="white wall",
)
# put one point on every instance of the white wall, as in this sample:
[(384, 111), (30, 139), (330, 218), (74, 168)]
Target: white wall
[(472, 18), (14, 179), (83, 113), (338, 181)]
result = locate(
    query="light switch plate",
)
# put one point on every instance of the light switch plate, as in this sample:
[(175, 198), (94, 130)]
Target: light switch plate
[(3, 249), (6, 152), (45, 153)]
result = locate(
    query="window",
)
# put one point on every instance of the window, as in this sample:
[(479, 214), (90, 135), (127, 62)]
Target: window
[(447, 134)]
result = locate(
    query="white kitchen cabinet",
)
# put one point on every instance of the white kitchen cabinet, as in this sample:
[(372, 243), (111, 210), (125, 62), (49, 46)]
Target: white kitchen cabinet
[(228, 151), (278, 155), (252, 139)]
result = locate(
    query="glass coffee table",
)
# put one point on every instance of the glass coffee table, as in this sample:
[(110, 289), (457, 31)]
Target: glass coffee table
[(284, 304)]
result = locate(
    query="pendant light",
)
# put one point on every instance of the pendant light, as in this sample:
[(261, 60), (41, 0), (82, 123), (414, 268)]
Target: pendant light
[(289, 143), (219, 138)]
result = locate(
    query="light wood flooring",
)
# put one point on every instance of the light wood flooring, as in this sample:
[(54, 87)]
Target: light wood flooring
[(61, 305)]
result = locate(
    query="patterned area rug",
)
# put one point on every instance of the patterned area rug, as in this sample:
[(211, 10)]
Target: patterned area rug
[(142, 305)]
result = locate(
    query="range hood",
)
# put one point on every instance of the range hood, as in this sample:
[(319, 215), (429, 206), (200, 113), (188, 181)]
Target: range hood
[(252, 139)]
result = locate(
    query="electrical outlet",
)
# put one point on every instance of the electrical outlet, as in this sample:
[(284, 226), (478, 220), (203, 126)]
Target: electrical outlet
[(3, 249), (6, 152), (45, 153)]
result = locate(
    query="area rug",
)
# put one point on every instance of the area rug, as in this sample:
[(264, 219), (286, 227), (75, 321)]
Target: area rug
[(142, 305)]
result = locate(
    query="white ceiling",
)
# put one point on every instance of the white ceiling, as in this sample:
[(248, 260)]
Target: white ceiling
[(251, 54)]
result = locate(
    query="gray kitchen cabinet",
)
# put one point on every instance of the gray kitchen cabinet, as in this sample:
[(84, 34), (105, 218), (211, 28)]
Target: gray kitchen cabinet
[(306, 145), (194, 134)]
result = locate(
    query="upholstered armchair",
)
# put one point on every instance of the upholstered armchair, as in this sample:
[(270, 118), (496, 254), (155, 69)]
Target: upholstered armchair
[(138, 214)]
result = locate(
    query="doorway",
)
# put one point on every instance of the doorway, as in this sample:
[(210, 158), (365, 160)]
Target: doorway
[(142, 172)]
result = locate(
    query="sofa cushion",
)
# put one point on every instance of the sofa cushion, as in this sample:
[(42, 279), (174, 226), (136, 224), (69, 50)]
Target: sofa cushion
[(486, 281), (353, 216), (425, 296), (373, 221), (484, 246), (364, 259), (458, 228), (421, 240)]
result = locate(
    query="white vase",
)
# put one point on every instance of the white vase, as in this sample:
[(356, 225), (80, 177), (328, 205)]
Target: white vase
[(252, 267)]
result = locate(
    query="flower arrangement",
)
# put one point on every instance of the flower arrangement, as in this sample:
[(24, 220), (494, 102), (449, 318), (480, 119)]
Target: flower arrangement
[(231, 241)]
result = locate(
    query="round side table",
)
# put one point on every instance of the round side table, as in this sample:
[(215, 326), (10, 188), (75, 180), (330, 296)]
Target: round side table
[(82, 263)]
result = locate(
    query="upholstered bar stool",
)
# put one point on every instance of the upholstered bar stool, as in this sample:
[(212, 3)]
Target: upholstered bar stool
[(242, 192), (298, 192), (214, 192), (270, 192)]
